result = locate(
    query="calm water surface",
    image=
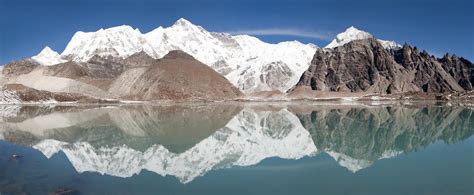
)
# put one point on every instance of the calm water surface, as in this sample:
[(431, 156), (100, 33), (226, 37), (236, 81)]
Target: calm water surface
[(252, 148)]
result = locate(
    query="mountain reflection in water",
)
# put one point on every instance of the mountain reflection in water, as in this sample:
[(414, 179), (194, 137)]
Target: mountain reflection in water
[(188, 140)]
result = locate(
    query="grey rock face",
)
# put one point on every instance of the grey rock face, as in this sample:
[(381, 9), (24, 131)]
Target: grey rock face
[(361, 65), (365, 66), (428, 73), (222, 67), (276, 75), (19, 67), (460, 69)]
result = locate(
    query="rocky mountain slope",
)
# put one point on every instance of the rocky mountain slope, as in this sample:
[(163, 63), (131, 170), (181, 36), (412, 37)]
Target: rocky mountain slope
[(365, 65), (19, 67), (177, 76)]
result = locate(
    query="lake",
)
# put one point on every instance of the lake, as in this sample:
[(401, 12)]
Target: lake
[(238, 148)]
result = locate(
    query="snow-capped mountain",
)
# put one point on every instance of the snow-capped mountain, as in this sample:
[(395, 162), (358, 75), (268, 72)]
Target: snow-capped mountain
[(120, 41), (352, 33), (249, 63), (48, 57)]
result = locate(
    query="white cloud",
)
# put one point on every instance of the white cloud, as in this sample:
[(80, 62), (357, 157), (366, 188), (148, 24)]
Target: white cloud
[(281, 31)]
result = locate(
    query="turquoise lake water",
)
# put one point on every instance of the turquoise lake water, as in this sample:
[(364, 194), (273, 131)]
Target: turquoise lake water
[(238, 148)]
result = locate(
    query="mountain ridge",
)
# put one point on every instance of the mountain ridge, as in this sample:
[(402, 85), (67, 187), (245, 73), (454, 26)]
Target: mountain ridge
[(355, 65), (238, 55)]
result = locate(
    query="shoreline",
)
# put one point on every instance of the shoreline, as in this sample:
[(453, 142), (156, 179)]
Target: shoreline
[(332, 101)]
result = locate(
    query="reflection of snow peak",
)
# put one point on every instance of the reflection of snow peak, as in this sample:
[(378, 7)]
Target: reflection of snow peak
[(355, 165), (247, 139), (49, 147)]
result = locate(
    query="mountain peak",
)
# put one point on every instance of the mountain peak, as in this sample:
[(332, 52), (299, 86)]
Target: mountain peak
[(47, 50), (121, 28), (178, 54), (352, 29), (350, 34), (119, 41), (182, 22), (47, 57)]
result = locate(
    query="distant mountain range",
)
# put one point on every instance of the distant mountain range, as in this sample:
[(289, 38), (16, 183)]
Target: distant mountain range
[(123, 64)]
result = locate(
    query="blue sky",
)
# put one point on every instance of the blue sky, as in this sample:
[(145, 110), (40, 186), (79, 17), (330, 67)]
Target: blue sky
[(439, 26)]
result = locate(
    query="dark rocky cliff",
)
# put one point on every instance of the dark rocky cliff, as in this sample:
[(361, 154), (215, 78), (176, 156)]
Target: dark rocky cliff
[(365, 66)]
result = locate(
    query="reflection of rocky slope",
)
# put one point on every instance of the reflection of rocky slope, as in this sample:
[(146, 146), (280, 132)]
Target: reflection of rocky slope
[(136, 126), (187, 141), (356, 137)]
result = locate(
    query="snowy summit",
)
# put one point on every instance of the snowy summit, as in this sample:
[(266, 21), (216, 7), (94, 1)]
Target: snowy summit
[(48, 57), (352, 33)]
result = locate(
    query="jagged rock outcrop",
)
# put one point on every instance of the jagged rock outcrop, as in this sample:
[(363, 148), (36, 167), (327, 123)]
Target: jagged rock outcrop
[(460, 69), (426, 72), (177, 76), (366, 66), (358, 66)]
